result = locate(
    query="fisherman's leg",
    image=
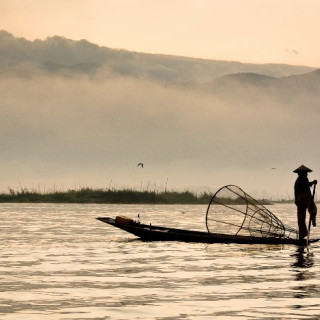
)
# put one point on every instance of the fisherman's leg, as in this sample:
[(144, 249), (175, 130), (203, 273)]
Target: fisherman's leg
[(303, 231)]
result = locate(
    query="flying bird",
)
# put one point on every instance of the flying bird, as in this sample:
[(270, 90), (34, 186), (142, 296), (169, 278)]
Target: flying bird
[(140, 164)]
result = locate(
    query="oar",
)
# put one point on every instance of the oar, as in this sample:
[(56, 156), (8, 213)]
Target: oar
[(309, 227)]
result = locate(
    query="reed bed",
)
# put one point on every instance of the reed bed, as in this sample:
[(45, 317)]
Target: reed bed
[(89, 195)]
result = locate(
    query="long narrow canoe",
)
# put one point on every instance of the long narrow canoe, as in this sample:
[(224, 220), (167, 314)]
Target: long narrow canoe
[(156, 233)]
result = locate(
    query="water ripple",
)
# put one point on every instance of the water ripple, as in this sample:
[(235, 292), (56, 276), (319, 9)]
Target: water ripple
[(58, 262)]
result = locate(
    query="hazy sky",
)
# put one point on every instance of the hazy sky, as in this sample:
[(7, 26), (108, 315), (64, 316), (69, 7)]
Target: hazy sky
[(81, 131), (258, 31)]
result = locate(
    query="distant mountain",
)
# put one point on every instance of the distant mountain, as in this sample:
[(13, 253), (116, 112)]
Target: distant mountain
[(246, 78), (299, 90), (232, 81), (309, 79), (240, 79), (61, 55), (306, 82)]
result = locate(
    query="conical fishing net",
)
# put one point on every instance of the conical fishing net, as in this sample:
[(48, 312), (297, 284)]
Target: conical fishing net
[(232, 211)]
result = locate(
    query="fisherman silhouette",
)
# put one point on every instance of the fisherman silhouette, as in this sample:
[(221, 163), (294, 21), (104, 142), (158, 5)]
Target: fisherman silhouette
[(304, 200)]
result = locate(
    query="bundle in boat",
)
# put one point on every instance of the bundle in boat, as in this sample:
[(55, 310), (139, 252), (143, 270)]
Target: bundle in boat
[(232, 211)]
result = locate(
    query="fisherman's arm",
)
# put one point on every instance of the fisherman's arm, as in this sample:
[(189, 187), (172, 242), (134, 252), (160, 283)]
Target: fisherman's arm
[(313, 182)]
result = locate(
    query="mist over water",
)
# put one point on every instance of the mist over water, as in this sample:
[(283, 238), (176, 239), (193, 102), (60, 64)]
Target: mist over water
[(90, 121)]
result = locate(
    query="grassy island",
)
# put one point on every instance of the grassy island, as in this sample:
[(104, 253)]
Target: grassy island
[(112, 196), (88, 195)]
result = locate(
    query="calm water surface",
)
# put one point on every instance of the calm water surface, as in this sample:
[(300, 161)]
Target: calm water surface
[(58, 262)]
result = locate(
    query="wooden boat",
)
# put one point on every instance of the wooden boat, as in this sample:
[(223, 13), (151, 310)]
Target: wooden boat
[(156, 233)]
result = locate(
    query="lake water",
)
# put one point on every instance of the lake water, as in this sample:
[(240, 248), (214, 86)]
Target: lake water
[(59, 262)]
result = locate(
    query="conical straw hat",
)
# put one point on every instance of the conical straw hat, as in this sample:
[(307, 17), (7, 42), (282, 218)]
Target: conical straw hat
[(302, 168)]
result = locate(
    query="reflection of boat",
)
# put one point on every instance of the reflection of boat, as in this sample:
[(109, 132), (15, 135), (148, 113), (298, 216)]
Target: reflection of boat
[(155, 233)]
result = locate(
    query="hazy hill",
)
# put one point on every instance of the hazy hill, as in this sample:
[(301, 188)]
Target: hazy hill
[(61, 55), (308, 81), (251, 88)]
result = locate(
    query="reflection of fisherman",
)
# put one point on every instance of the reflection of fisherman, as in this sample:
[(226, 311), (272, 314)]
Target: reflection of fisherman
[(304, 200)]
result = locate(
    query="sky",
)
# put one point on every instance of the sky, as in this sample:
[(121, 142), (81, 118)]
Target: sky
[(72, 132), (254, 31)]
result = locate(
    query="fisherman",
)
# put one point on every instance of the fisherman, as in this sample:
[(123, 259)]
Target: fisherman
[(304, 200)]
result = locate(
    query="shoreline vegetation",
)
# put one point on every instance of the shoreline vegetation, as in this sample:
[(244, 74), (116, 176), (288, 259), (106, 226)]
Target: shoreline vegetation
[(112, 196)]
